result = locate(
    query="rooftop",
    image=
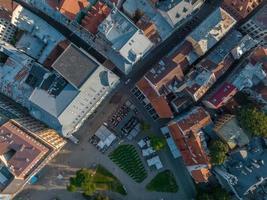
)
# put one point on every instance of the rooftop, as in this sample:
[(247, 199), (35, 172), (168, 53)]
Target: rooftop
[(71, 8), (195, 119), (117, 29), (201, 175), (228, 130), (249, 76), (128, 42), (31, 45), (13, 75), (177, 10), (159, 103), (199, 82), (149, 29), (45, 36), (260, 18), (8, 4), (75, 66), (19, 151), (217, 60), (248, 165), (163, 27), (211, 30), (55, 53), (5, 14), (54, 99), (240, 8), (170, 67), (95, 15), (259, 55), (186, 133), (222, 94)]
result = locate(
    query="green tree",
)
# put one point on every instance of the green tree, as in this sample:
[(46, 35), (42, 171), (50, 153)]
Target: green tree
[(218, 151), (214, 193), (88, 188), (157, 143), (254, 121), (71, 188), (84, 181), (220, 194)]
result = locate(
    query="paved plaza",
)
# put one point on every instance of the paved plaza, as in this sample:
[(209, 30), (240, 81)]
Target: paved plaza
[(51, 185)]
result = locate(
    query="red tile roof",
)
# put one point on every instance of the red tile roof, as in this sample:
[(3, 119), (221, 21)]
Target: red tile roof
[(169, 70), (70, 8), (240, 8), (259, 55), (174, 65), (8, 4), (95, 16), (5, 14), (225, 92), (149, 29), (147, 88), (162, 107), (56, 52), (185, 134), (159, 103), (24, 150), (201, 175)]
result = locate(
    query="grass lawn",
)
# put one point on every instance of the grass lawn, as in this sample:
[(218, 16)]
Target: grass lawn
[(163, 182), (127, 158), (91, 180), (103, 178)]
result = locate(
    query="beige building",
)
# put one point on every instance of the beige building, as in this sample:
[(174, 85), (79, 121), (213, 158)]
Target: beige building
[(7, 29), (211, 31), (229, 131)]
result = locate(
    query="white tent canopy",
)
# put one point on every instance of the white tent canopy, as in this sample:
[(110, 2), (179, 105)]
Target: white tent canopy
[(106, 137), (155, 161)]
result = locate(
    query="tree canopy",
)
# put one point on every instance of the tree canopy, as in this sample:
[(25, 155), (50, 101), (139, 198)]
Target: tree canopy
[(88, 181), (84, 181), (254, 121), (218, 151), (215, 193), (157, 143)]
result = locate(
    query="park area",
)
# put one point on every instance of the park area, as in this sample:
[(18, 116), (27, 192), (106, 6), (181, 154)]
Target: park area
[(163, 182), (127, 158), (89, 181)]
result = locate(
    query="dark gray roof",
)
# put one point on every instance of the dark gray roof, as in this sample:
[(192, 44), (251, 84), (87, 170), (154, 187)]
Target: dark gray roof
[(239, 163), (75, 66), (225, 47)]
